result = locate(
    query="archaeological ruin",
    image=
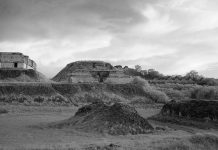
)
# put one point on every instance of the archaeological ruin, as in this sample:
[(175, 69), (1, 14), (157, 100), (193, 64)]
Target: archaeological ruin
[(15, 60), (90, 72)]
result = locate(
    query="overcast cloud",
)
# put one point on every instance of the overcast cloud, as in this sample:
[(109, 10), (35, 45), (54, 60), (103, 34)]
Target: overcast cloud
[(171, 36)]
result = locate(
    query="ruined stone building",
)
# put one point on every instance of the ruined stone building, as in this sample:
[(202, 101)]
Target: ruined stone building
[(10, 60), (90, 72)]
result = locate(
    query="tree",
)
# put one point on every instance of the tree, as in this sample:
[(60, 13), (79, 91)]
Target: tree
[(138, 68), (154, 74), (144, 72), (193, 75)]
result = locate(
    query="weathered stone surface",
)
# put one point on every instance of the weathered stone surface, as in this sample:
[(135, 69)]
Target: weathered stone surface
[(10, 60), (91, 71)]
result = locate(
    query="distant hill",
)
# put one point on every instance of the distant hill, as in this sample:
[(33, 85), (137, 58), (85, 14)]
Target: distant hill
[(21, 75), (80, 65)]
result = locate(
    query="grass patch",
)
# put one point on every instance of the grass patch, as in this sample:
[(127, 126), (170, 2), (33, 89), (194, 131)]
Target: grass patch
[(196, 142), (186, 122), (3, 111)]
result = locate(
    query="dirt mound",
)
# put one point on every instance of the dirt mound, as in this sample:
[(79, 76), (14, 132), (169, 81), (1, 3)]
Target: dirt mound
[(80, 65), (116, 119), (197, 109), (21, 75)]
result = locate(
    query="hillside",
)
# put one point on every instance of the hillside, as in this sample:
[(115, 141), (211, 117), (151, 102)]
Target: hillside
[(80, 65), (74, 94), (21, 75)]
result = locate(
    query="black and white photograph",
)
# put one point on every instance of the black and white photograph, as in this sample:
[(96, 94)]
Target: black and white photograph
[(108, 74)]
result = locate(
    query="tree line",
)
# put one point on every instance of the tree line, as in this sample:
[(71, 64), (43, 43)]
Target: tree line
[(191, 77)]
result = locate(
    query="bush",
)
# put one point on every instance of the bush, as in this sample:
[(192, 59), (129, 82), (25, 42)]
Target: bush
[(58, 99), (140, 82), (39, 99), (151, 92), (208, 142), (205, 93), (157, 96), (175, 94)]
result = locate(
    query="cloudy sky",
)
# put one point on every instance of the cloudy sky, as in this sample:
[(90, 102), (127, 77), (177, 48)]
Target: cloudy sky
[(171, 36)]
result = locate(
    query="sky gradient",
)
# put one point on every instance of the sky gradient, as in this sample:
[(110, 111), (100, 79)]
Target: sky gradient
[(171, 36)]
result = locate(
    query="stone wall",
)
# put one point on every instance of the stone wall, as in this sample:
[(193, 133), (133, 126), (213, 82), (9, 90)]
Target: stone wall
[(86, 77), (11, 57), (81, 77), (16, 60)]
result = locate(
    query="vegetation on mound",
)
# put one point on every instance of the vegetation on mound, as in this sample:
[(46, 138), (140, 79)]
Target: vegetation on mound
[(181, 92), (155, 95), (154, 76), (21, 75), (210, 93), (30, 89), (200, 114), (116, 119), (192, 109), (76, 94)]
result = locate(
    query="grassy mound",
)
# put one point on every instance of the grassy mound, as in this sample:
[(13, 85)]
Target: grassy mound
[(116, 119), (76, 94), (30, 94), (196, 109), (21, 75), (196, 113)]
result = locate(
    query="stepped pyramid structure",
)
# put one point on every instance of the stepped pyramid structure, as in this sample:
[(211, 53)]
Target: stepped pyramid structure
[(90, 71)]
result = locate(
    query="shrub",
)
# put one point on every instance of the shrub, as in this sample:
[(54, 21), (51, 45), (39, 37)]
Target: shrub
[(59, 99), (2, 99), (140, 82), (204, 93), (39, 99), (156, 95), (208, 142), (175, 94)]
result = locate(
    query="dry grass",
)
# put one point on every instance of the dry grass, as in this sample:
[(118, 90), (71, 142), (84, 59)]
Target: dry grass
[(16, 125), (197, 142), (3, 111)]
